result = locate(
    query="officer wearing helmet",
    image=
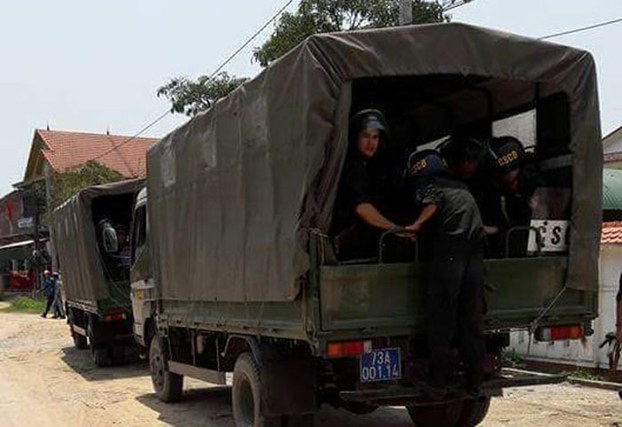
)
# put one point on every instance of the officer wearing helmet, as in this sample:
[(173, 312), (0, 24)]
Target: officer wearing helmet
[(362, 195), (467, 158), (453, 234), (517, 176)]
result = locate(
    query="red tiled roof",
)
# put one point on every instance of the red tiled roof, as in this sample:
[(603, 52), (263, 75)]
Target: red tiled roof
[(612, 233), (66, 150)]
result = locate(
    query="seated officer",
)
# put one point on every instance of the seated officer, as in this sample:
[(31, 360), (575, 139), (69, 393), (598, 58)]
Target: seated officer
[(363, 190), (517, 175), (450, 221)]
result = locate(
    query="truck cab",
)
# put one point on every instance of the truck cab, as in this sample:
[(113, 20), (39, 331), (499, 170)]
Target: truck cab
[(141, 277)]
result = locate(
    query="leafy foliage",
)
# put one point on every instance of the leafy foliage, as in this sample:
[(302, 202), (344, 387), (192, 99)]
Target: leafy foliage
[(322, 16), (191, 97), (66, 184)]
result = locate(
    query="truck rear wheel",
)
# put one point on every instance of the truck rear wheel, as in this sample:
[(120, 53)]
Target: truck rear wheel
[(474, 411), (246, 395), (168, 386), (445, 414), (100, 356)]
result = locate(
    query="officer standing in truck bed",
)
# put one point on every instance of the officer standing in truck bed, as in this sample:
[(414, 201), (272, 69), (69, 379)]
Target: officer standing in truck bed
[(451, 225)]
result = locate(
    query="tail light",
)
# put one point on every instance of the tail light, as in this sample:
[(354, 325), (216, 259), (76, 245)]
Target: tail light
[(114, 317), (557, 333), (348, 348)]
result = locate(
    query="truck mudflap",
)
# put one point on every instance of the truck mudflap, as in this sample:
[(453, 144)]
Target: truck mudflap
[(397, 395)]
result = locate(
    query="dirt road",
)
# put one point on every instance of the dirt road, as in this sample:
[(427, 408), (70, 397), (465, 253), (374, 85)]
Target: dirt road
[(45, 381)]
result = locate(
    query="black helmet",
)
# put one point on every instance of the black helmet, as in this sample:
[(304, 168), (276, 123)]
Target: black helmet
[(506, 152), (425, 163), (456, 149), (368, 119)]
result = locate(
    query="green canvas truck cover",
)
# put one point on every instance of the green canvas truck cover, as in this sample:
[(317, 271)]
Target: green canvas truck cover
[(234, 191), (75, 241)]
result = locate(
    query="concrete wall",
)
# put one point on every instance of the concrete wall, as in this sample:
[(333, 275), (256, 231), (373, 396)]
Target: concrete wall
[(582, 352)]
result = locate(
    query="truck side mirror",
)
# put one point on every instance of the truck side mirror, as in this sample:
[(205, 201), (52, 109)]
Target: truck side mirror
[(109, 239)]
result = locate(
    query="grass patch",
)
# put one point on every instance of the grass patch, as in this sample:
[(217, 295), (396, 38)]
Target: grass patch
[(511, 359), (23, 304), (586, 374)]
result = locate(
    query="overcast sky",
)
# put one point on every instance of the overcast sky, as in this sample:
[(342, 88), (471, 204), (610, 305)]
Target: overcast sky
[(92, 66)]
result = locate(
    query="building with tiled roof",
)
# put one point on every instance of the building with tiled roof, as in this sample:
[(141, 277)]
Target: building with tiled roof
[(612, 233), (63, 150), (612, 149)]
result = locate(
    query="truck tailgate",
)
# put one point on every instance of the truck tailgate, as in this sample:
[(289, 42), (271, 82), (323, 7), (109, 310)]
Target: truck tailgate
[(381, 296)]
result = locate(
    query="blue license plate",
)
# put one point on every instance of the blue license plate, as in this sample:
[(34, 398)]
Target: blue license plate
[(382, 364)]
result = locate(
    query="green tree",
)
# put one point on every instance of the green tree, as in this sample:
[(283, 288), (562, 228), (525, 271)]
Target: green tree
[(191, 97), (66, 184), (322, 16)]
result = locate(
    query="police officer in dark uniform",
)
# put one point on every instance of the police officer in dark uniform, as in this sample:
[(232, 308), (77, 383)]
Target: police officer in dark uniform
[(450, 223), (466, 159), (362, 196), (517, 175)]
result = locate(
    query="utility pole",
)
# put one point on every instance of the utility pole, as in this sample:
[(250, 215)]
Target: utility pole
[(406, 12)]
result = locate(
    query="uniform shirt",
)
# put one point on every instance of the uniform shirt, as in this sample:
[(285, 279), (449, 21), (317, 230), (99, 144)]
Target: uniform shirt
[(517, 206), (49, 287), (361, 182), (457, 215)]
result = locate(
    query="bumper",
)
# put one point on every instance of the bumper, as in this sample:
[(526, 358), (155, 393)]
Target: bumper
[(400, 395)]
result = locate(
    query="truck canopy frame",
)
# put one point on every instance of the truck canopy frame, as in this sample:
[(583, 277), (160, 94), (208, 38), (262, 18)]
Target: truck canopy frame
[(246, 181)]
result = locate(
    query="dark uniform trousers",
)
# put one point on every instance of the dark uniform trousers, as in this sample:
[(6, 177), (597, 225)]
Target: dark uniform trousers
[(455, 304)]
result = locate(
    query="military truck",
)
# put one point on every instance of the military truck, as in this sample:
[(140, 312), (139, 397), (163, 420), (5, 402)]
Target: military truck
[(90, 232), (240, 201)]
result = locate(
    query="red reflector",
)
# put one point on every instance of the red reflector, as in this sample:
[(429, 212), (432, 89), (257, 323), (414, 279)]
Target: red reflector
[(557, 333), (347, 348), (114, 317)]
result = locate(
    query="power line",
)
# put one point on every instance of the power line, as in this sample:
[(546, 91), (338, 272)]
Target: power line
[(578, 30), (211, 76), (277, 14)]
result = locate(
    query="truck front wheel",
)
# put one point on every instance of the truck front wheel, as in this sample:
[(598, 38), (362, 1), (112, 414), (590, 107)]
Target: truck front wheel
[(246, 395), (168, 386)]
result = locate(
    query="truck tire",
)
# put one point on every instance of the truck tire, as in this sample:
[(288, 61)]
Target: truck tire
[(246, 395), (358, 408), (167, 385), (474, 411), (100, 356), (79, 341), (445, 414)]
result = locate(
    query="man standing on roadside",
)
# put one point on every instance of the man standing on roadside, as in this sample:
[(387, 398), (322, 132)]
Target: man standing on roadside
[(49, 289), (57, 305)]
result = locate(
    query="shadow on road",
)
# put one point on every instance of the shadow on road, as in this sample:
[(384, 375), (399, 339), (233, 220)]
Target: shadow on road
[(80, 362), (211, 407)]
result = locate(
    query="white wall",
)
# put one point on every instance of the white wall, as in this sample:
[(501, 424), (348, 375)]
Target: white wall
[(583, 352)]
